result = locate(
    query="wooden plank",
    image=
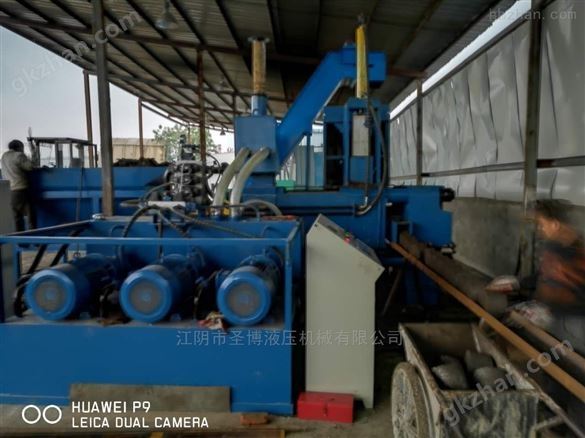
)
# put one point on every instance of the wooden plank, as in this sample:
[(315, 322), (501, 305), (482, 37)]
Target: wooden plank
[(200, 399), (566, 380)]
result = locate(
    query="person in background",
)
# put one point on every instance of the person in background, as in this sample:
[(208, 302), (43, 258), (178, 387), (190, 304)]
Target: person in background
[(556, 294), (15, 168)]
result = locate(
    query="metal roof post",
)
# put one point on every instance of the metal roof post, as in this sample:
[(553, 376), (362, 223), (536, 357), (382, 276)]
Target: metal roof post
[(104, 108), (88, 120), (531, 138), (419, 131)]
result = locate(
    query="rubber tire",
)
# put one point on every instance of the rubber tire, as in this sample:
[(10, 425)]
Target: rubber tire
[(405, 375)]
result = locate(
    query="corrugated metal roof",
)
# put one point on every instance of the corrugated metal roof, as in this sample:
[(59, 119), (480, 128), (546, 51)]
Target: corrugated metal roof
[(160, 66)]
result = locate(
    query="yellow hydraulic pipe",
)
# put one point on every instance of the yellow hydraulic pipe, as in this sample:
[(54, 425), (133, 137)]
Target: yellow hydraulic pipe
[(258, 65), (361, 87)]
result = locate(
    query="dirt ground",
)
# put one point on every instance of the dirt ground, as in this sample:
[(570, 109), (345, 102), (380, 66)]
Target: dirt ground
[(369, 423)]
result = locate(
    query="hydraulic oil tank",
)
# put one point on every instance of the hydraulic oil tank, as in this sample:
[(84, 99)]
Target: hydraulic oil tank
[(245, 295), (156, 291), (68, 289)]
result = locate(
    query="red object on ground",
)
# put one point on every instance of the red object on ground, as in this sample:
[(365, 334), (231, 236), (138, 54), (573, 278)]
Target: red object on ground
[(325, 406)]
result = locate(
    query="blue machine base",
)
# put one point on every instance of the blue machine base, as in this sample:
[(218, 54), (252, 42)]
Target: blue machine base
[(52, 356)]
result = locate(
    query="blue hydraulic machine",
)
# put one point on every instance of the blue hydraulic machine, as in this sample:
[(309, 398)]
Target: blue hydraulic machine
[(66, 180), (355, 193), (127, 317), (204, 286)]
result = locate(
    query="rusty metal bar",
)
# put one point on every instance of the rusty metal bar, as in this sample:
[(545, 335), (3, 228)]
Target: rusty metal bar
[(202, 139), (105, 112), (527, 252), (561, 376), (88, 120), (140, 132), (419, 132), (193, 28)]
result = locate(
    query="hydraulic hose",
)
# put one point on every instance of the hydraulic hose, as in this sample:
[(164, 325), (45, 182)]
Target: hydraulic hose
[(243, 176), (273, 208), (226, 179), (364, 209)]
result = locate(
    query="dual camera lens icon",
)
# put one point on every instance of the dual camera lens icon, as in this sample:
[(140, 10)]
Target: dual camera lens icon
[(50, 414)]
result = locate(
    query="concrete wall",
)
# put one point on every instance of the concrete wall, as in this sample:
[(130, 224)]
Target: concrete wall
[(487, 232)]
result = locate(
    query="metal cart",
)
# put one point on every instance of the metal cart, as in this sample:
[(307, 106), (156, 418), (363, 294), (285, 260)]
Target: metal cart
[(421, 408)]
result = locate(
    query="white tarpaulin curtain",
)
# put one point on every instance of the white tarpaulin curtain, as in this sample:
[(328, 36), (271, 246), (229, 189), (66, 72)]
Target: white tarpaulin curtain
[(477, 117)]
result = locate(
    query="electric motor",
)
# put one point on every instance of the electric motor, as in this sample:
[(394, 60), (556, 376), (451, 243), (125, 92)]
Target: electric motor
[(157, 291), (71, 288), (245, 295)]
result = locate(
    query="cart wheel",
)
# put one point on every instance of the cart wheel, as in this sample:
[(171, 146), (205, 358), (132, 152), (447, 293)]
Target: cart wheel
[(410, 418)]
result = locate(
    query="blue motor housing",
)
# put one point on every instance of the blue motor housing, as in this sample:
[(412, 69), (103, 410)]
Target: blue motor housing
[(245, 295), (71, 288), (156, 291)]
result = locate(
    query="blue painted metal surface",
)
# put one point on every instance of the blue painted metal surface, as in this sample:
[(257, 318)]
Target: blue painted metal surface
[(255, 362), (245, 295), (69, 288), (356, 169), (335, 68), (69, 195), (158, 290), (55, 356), (417, 208)]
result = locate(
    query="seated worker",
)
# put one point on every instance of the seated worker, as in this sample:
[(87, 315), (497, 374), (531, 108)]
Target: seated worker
[(557, 291)]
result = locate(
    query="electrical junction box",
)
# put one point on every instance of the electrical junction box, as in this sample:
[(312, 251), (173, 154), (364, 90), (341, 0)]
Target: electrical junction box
[(341, 277)]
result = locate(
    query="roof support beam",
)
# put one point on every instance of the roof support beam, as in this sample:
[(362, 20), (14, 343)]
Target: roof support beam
[(292, 59), (419, 132), (88, 119), (80, 55), (65, 8), (150, 52), (427, 15), (161, 114), (179, 85), (188, 20), (235, 36), (527, 241), (272, 6), (138, 91), (106, 148), (189, 105), (234, 33), (164, 35)]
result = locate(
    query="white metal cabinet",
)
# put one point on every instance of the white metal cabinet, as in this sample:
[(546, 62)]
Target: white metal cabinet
[(341, 276)]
